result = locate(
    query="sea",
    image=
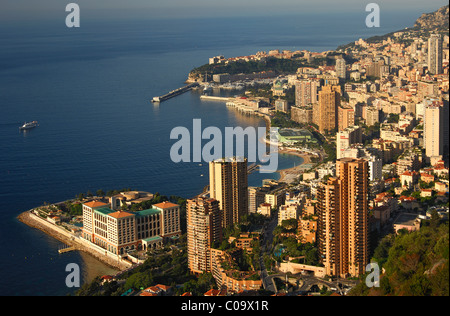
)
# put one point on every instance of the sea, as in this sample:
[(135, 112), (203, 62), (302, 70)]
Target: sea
[(90, 90)]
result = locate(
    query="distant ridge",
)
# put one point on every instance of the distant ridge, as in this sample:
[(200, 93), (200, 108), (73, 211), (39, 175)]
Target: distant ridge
[(437, 21)]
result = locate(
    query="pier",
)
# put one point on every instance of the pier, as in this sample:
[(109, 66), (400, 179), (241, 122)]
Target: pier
[(252, 168), (174, 93), (66, 249)]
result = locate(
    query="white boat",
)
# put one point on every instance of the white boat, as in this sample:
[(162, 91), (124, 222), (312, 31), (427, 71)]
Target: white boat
[(28, 125)]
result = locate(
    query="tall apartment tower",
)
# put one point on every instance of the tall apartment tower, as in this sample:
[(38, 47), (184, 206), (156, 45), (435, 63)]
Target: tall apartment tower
[(203, 230), (342, 208), (341, 70), (435, 54), (326, 112), (228, 184), (436, 129), (306, 92)]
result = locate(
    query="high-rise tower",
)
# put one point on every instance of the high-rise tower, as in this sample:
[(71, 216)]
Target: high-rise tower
[(435, 54), (228, 184), (342, 207)]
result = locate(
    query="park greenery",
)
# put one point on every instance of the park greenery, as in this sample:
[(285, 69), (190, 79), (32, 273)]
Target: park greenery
[(287, 245), (277, 65), (167, 266)]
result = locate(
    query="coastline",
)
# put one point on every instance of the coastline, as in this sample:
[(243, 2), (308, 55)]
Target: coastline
[(288, 175), (33, 221)]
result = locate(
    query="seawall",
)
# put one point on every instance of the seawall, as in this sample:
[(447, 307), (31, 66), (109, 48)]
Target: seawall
[(32, 220)]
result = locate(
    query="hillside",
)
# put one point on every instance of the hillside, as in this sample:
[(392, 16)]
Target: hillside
[(437, 20), (416, 264)]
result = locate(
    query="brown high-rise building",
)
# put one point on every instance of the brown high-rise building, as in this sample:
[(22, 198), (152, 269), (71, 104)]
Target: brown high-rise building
[(203, 230), (342, 208), (228, 184), (326, 111)]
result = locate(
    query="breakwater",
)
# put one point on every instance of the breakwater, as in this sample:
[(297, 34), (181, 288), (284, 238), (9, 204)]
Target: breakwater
[(174, 93)]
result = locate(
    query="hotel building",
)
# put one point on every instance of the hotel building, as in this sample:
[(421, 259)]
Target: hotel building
[(119, 232)]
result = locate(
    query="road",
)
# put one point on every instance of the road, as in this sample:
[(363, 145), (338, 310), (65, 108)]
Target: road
[(266, 248)]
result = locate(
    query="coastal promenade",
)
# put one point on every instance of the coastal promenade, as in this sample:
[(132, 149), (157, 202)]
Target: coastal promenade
[(71, 240)]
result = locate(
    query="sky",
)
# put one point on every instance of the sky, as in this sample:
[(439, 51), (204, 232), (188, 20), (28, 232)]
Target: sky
[(20, 10)]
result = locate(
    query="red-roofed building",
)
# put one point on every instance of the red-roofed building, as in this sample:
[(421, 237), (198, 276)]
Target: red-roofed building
[(170, 219), (426, 193), (157, 290), (408, 202), (409, 179), (440, 187), (214, 292), (427, 178)]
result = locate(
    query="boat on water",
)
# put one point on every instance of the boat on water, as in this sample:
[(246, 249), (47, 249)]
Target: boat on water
[(28, 125), (207, 88)]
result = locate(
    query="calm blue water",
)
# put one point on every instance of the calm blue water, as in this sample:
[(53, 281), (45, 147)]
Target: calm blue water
[(89, 88)]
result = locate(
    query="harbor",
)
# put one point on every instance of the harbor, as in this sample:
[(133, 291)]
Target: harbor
[(174, 93)]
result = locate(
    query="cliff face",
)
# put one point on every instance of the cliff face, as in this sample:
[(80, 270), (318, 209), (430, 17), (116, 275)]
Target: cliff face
[(435, 20)]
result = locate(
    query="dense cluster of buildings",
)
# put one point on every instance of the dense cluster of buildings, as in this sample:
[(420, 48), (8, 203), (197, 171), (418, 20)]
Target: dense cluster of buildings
[(384, 105)]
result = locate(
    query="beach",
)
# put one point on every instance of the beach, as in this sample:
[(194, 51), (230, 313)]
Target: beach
[(291, 174)]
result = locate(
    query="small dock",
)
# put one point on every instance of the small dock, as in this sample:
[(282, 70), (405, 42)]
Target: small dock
[(66, 249), (174, 93)]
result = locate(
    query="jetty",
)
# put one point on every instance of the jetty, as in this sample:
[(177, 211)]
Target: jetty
[(67, 249), (174, 93), (252, 168)]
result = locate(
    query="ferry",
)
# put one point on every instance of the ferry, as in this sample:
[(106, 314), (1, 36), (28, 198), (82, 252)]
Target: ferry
[(28, 125)]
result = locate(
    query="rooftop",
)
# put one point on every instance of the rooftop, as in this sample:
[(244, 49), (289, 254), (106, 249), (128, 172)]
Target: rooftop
[(95, 204), (165, 205), (120, 214), (406, 219), (151, 211)]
